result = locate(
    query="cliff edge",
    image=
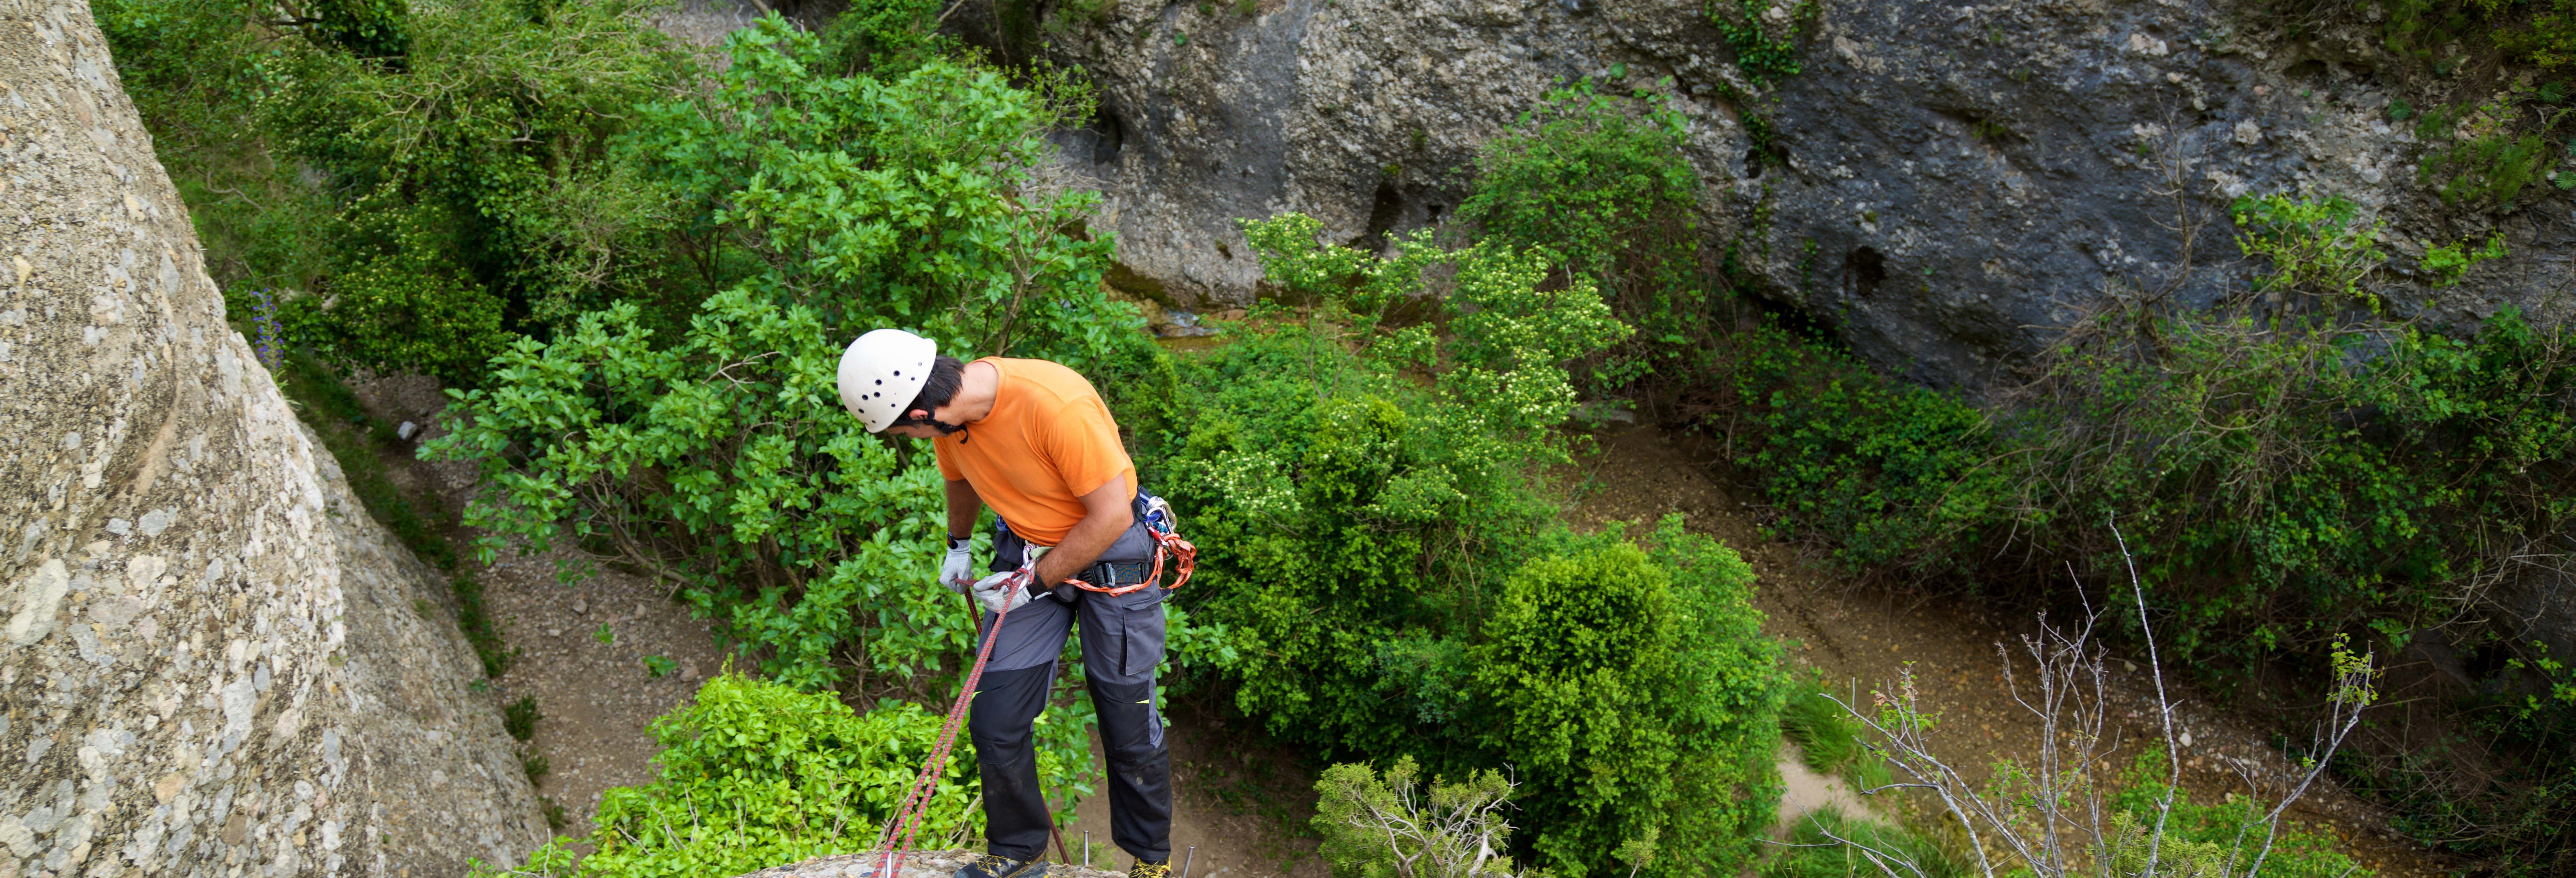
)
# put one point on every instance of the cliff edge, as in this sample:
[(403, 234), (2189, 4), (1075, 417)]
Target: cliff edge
[(213, 661)]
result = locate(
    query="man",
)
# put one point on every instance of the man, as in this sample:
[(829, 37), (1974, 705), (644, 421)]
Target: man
[(1032, 439)]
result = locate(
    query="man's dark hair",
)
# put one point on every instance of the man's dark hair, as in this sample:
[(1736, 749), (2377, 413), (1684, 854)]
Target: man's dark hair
[(946, 376)]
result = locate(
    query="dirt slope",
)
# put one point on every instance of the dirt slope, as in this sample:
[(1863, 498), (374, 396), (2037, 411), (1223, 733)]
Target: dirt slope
[(1864, 637)]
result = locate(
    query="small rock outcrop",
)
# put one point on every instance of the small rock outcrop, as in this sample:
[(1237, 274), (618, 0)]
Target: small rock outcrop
[(213, 663), (1941, 185)]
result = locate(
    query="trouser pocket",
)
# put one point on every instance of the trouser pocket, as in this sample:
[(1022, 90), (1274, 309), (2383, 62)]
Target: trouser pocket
[(1122, 635)]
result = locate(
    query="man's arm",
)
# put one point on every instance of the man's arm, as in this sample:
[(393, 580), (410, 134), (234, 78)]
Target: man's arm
[(963, 505), (1105, 516)]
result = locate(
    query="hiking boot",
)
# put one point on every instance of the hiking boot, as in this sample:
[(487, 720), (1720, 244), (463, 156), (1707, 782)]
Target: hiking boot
[(989, 866), (1144, 869)]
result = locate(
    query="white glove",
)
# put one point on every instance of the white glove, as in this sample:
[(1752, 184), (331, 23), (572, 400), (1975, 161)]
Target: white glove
[(1003, 592), (958, 571)]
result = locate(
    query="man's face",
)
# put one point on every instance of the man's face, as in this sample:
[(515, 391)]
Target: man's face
[(912, 427)]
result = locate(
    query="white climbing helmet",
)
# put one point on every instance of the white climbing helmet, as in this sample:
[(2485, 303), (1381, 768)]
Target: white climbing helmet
[(881, 373)]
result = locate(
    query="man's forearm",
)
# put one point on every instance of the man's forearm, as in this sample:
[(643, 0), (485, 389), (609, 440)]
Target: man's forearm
[(1093, 536), (963, 505)]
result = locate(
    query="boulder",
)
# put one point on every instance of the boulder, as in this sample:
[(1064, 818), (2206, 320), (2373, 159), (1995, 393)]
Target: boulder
[(213, 661)]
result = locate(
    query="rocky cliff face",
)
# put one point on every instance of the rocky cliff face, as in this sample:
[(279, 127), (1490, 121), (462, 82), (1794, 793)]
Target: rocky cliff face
[(214, 663), (1945, 186)]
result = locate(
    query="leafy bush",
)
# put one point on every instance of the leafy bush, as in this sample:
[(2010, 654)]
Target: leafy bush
[(1602, 184), (432, 179), (1814, 852), (755, 774), (1368, 533), (1390, 827), (2282, 480), (2199, 837), (2316, 247), (720, 459), (1638, 697)]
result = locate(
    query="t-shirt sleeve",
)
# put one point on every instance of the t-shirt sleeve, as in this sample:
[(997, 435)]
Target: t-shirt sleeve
[(1083, 443), (947, 468)]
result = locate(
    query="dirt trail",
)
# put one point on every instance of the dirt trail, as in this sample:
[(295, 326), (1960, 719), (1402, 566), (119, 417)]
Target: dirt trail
[(1865, 637), (581, 647)]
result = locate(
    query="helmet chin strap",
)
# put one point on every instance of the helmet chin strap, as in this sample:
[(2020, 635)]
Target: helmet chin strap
[(945, 428)]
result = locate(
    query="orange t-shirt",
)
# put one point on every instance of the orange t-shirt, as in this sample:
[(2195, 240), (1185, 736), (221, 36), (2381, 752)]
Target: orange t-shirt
[(1048, 441)]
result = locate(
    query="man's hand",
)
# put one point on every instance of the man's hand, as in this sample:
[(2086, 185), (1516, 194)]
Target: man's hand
[(1003, 592), (958, 570)]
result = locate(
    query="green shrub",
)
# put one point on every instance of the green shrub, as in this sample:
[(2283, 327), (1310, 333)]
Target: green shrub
[(1360, 495), (1813, 851), (2316, 247), (430, 181), (1392, 827), (720, 459), (755, 774), (885, 37), (1638, 698), (2215, 839), (1903, 476), (1602, 183)]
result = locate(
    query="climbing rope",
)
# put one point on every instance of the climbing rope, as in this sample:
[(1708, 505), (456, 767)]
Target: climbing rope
[(897, 836), (906, 819)]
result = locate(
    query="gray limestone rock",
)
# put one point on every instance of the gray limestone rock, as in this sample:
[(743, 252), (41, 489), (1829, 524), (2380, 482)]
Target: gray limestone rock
[(214, 663), (1948, 185)]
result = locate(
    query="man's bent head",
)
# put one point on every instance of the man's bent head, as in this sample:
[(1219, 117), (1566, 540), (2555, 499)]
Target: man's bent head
[(895, 382)]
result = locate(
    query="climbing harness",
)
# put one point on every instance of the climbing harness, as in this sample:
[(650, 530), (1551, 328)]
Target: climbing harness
[(1162, 525), (896, 838)]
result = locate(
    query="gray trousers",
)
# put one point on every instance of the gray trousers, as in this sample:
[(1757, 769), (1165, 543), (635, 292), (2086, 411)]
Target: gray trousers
[(1122, 642)]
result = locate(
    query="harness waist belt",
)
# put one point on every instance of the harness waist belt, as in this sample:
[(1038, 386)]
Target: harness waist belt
[(1111, 574)]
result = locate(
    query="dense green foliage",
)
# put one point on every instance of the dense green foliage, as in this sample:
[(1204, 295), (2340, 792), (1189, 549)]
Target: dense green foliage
[(720, 459), (1601, 182), (2280, 479), (1361, 495), (757, 774), (427, 182), (1816, 849), (1637, 693), (1395, 826)]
